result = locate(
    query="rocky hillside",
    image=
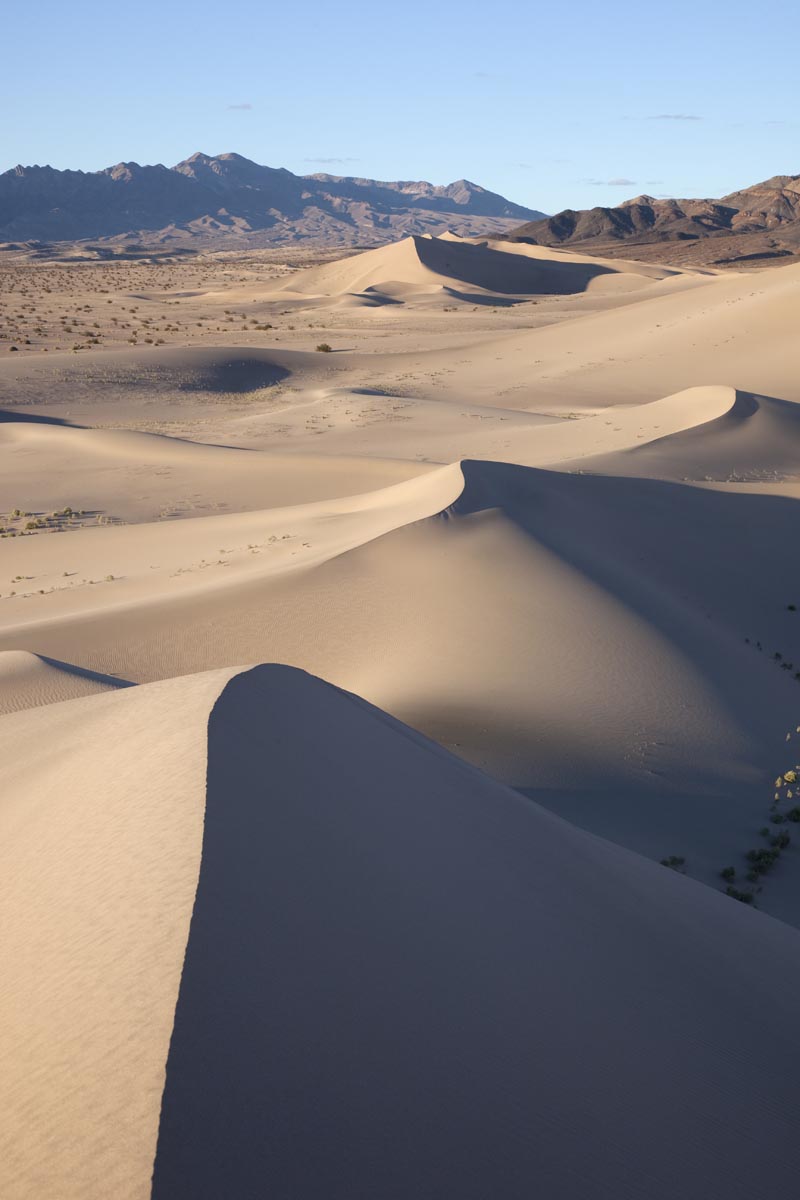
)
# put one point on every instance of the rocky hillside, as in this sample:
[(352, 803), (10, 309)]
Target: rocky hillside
[(230, 201), (759, 223)]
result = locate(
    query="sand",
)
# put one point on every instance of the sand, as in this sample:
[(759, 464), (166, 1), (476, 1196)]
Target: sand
[(541, 508)]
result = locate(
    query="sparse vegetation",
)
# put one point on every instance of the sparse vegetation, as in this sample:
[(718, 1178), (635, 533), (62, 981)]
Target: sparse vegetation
[(736, 894), (675, 862)]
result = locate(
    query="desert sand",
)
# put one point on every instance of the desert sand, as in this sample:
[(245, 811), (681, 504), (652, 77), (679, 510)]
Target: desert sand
[(390, 916)]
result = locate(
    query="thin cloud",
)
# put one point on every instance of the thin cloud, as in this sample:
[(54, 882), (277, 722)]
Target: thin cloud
[(675, 117), (240, 107), (331, 161), (621, 182)]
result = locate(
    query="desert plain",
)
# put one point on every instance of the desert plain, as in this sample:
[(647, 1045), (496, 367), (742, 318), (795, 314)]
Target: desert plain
[(400, 669)]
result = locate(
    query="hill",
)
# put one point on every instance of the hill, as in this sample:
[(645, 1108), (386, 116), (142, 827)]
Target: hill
[(228, 200), (756, 224)]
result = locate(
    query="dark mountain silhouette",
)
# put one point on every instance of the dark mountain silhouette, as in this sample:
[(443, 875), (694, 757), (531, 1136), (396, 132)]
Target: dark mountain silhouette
[(759, 222), (231, 200)]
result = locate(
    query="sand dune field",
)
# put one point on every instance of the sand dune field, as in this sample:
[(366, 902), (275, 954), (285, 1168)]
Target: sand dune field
[(400, 694)]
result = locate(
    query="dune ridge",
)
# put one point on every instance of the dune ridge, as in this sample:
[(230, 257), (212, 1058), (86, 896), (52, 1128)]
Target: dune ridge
[(377, 835), (102, 816), (29, 680)]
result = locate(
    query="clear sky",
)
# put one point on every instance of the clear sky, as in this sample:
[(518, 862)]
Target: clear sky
[(553, 105)]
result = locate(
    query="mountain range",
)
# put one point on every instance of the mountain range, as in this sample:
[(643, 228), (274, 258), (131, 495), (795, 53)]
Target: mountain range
[(228, 200), (758, 222)]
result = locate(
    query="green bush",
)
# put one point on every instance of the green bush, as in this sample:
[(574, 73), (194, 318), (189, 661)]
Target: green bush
[(762, 860), (744, 897)]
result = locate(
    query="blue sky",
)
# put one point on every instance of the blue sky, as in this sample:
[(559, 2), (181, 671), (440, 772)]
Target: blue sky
[(553, 106)]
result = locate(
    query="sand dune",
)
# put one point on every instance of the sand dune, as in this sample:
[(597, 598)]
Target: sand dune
[(108, 569), (28, 680), (757, 439), (627, 428), (561, 631), (738, 330), (106, 475), (418, 265), (287, 1063)]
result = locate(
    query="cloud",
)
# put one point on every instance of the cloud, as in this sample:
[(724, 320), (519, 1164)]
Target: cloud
[(621, 182), (331, 161), (241, 107), (651, 181), (675, 117)]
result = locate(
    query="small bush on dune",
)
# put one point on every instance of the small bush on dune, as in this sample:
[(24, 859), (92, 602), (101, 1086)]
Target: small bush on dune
[(324, 348), (744, 897)]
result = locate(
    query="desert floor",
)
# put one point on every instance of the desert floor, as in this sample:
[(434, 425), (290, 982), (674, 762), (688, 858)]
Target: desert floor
[(539, 507)]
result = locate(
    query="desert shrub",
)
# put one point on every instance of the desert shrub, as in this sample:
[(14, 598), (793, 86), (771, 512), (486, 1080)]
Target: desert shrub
[(762, 860), (735, 894), (324, 348), (728, 873), (674, 861)]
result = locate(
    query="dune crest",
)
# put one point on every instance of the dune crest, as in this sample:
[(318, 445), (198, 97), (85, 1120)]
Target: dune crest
[(29, 680)]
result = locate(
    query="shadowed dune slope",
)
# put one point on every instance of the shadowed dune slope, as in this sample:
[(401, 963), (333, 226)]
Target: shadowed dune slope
[(29, 680), (402, 979)]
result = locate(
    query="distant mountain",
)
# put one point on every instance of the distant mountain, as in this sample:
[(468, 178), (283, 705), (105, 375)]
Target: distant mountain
[(759, 222), (230, 201)]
